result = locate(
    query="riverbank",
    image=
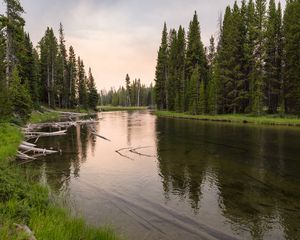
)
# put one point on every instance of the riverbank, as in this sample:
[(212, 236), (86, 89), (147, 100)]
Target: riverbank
[(24, 202), (235, 118), (119, 108)]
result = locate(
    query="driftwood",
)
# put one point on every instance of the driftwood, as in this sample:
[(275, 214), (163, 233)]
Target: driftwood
[(24, 156), (134, 150), (36, 150), (59, 125), (119, 151), (97, 135), (30, 132)]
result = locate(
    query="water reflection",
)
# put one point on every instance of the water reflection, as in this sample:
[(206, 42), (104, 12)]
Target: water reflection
[(256, 171), (226, 181)]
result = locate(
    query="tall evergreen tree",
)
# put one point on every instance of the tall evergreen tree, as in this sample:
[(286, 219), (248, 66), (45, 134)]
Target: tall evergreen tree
[(93, 96), (172, 80), (81, 85), (195, 59), (72, 76), (273, 76), (62, 83), (48, 52), (13, 23), (291, 30), (258, 79), (181, 81), (161, 71), (128, 90)]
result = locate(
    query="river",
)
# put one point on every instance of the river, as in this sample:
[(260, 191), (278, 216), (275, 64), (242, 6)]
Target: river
[(179, 179)]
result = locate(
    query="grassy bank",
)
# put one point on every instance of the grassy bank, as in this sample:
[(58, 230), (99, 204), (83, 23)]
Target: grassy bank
[(236, 118), (39, 117), (120, 108), (25, 202)]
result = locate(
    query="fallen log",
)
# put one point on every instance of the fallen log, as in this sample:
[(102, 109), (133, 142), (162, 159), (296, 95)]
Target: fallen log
[(134, 150), (119, 151), (46, 134), (36, 150), (97, 135), (23, 156)]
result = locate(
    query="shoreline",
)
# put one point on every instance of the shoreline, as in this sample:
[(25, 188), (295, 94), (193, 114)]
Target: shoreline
[(25, 204), (119, 108), (270, 120)]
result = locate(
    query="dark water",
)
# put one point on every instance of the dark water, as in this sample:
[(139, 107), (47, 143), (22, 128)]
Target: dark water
[(187, 179)]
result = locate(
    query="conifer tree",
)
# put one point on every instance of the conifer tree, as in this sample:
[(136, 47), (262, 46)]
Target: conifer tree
[(161, 71), (81, 85), (291, 30), (213, 90), (195, 58), (273, 76), (93, 96), (128, 90), (181, 81), (12, 22), (48, 52), (258, 79), (172, 71), (72, 76), (62, 84)]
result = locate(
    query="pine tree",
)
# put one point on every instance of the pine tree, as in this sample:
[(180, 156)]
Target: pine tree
[(181, 81), (13, 22), (273, 77), (213, 85), (291, 30), (172, 71), (258, 79), (161, 71), (81, 85), (93, 97), (128, 90), (72, 76), (48, 52), (195, 58), (62, 83)]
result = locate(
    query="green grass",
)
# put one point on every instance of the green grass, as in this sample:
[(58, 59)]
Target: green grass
[(119, 108), (26, 202), (39, 117), (236, 118), (10, 138)]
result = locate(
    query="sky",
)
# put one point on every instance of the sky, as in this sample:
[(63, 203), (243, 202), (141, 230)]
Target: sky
[(116, 37)]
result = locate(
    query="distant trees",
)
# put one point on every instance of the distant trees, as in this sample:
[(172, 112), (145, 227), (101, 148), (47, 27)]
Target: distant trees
[(253, 68), (48, 74), (134, 94)]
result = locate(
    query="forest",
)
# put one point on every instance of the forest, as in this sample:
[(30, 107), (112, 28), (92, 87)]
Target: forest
[(252, 65), (48, 74), (134, 94)]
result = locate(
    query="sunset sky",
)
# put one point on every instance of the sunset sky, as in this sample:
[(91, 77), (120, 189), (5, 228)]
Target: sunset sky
[(115, 37)]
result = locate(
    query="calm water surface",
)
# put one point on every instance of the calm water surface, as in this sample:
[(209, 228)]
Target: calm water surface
[(180, 179)]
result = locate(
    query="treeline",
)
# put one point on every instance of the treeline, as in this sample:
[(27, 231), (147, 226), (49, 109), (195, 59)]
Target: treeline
[(134, 94), (253, 68), (49, 74)]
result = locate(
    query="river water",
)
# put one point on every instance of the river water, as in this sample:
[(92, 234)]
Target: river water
[(179, 179)]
